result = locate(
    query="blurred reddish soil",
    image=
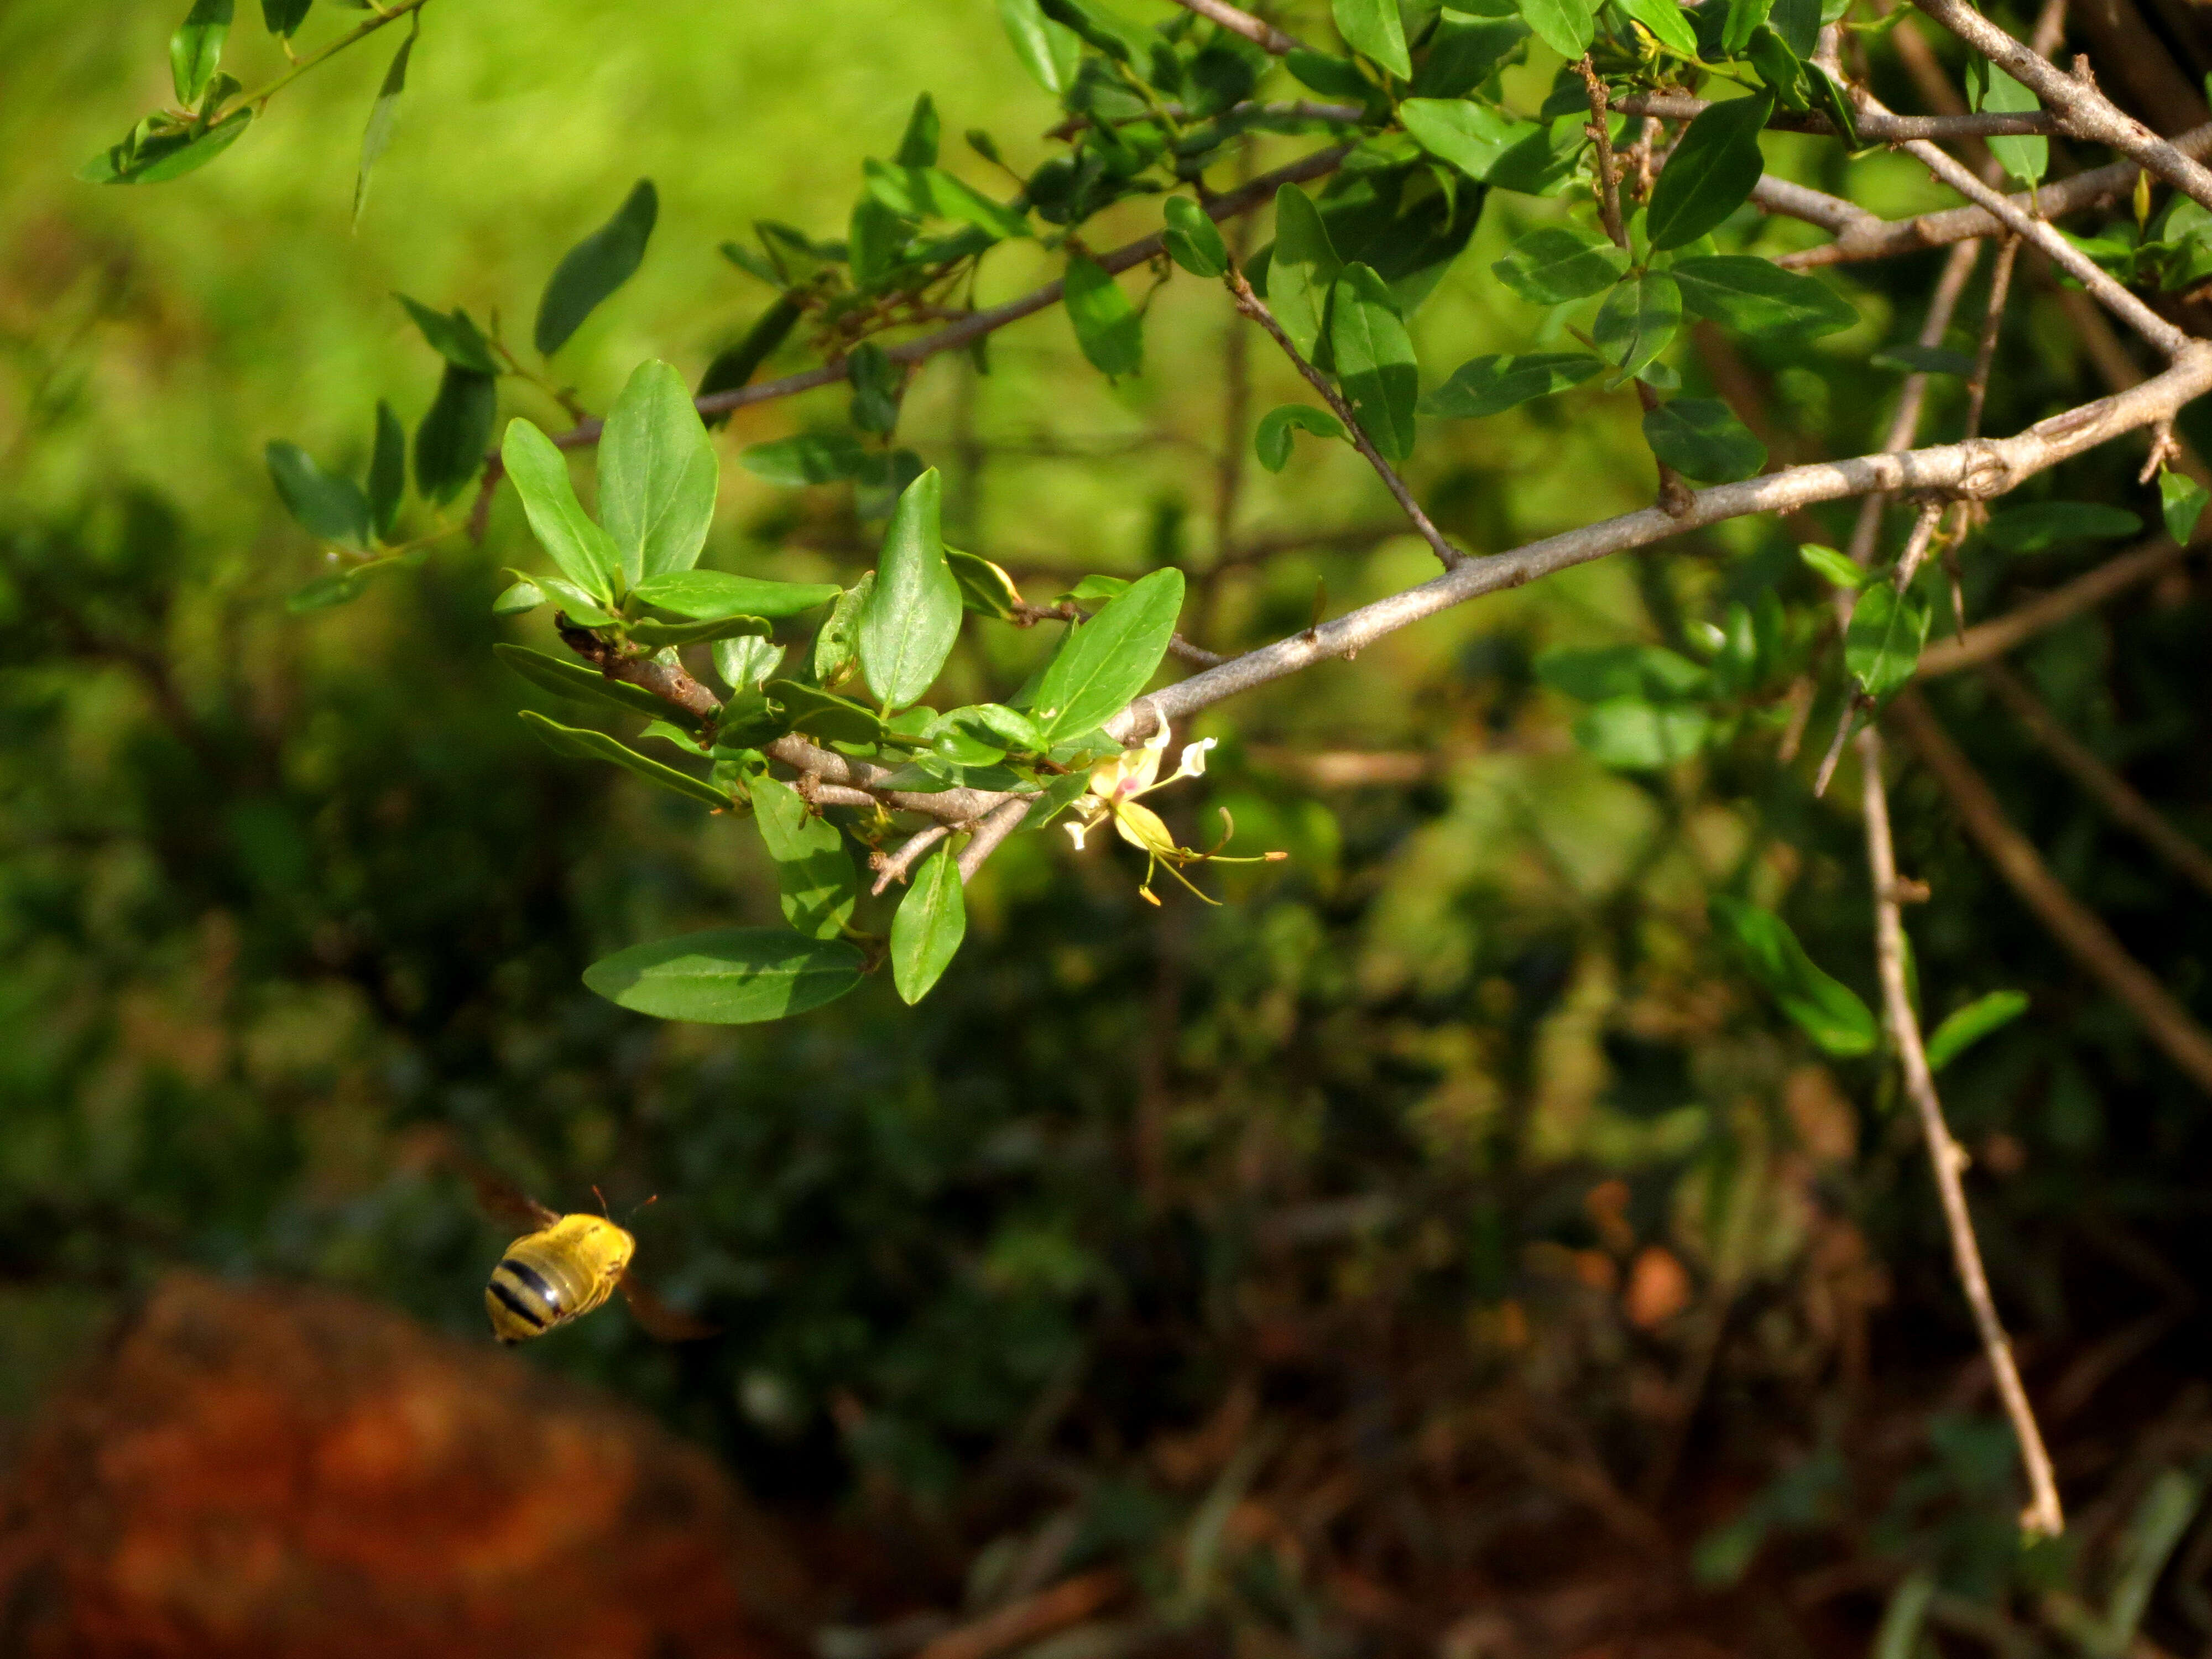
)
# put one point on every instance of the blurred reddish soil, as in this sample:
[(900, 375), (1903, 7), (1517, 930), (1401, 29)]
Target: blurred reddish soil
[(274, 1472)]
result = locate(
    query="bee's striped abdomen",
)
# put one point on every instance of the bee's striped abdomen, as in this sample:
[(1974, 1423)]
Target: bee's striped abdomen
[(554, 1275), (523, 1294)]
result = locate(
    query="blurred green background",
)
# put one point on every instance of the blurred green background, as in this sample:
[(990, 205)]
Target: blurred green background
[(1400, 1125)]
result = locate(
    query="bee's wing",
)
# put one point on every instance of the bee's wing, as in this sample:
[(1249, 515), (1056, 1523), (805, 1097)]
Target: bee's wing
[(501, 1198), (669, 1324)]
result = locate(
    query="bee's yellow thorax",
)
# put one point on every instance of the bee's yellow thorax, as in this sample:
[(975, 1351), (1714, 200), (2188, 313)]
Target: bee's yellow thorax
[(556, 1275)]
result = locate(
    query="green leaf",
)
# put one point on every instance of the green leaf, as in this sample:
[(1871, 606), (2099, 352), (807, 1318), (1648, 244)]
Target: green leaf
[(1633, 736), (449, 443), (1824, 1008), (1834, 566), (1103, 663), (931, 921), (825, 714), (1465, 49), (587, 745), (1666, 22), (1923, 360), (1647, 673), (1829, 94), (1882, 645), (1055, 798), (456, 338), (992, 727), (1374, 29), (327, 504), (912, 616), (382, 114), (1271, 442), (1757, 296), (708, 594), (833, 651), (1106, 325), (1332, 77), (2043, 525), (196, 49), (1301, 271), (1638, 321), (876, 387), (1375, 360), (1971, 1023), (1487, 385), (1555, 264), (814, 875), (646, 631), (746, 661), (325, 593), (579, 607), (1701, 437), (284, 17), (1100, 26), (1194, 240), (2025, 159), (387, 471), (564, 677), (1096, 588), (1567, 27), (583, 552), (985, 588), (1740, 20), (658, 475), (918, 147), (1471, 136), (1770, 56), (2181, 502), (518, 599), (809, 457), (595, 268), (728, 975), (153, 158), (736, 364), (1712, 173), (1047, 49)]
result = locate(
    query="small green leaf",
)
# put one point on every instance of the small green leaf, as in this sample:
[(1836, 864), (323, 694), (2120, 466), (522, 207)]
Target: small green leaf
[(1770, 59), (912, 616), (1099, 588), (1712, 173), (931, 921), (583, 552), (1824, 1008), (708, 594), (1882, 645), (325, 593), (1740, 20), (658, 475), (1638, 321), (1971, 1023), (586, 745), (1487, 385), (1567, 27), (1701, 437), (578, 606), (1101, 26), (196, 49), (932, 192), (1194, 240), (455, 430), (518, 599), (327, 504), (918, 147), (382, 115), (985, 588), (1330, 76), (387, 471), (1271, 442), (595, 268), (746, 661), (1465, 49), (1633, 736), (833, 650), (876, 386), (1833, 565), (1666, 22), (1374, 29), (1375, 361), (991, 726), (2181, 502), (455, 337), (809, 457), (2043, 525), (153, 158), (283, 17), (728, 975), (825, 714), (1107, 324), (1554, 263), (1048, 52), (646, 631), (814, 875), (1104, 663), (1301, 271), (564, 677), (1757, 296), (1471, 136), (2025, 159), (1829, 96), (736, 364)]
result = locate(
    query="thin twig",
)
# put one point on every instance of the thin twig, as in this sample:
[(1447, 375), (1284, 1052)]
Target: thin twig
[(2076, 928), (1795, 201), (2111, 791), (1879, 125), (1912, 397), (1003, 821), (2043, 1515), (1977, 387), (1256, 308), (897, 865), (1257, 30)]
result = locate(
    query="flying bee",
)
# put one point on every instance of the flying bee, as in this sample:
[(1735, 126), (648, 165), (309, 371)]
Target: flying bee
[(563, 1268)]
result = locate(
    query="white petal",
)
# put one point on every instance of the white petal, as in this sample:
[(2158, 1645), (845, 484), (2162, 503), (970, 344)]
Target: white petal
[(1076, 830), (1193, 758)]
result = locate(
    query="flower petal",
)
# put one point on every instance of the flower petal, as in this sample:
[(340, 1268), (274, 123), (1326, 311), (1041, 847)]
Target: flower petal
[(1141, 826), (1193, 759)]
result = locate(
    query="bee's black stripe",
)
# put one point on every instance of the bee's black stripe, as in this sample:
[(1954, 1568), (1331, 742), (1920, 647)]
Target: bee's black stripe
[(533, 1281), (515, 1305)]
